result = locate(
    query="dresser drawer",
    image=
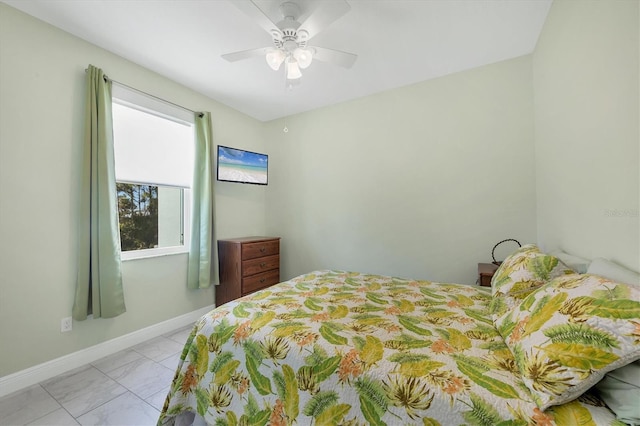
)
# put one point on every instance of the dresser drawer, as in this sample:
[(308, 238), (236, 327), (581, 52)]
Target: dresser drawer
[(485, 280), (259, 249), (246, 264), (485, 273), (260, 264), (260, 281)]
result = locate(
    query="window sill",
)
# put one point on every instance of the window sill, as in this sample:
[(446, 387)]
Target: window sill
[(148, 254)]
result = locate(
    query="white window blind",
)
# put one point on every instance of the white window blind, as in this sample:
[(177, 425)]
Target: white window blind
[(151, 147)]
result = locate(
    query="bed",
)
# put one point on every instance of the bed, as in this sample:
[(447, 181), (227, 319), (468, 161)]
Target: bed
[(347, 348)]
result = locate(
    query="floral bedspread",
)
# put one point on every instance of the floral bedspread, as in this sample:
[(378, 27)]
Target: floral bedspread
[(343, 348)]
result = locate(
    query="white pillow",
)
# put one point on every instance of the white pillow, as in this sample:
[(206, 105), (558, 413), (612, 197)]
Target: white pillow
[(613, 271), (578, 264), (620, 390)]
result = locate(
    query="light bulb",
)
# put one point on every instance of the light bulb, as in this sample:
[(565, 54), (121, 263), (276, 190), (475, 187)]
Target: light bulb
[(275, 57), (293, 71), (303, 56)]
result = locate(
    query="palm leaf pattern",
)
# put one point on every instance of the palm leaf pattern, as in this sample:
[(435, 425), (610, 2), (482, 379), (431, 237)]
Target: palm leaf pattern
[(346, 348), (566, 335), (521, 273)]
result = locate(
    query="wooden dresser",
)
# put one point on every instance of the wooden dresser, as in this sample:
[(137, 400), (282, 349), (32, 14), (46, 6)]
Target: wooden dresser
[(246, 265)]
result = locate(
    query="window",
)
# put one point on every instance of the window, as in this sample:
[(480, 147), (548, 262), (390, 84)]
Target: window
[(153, 147)]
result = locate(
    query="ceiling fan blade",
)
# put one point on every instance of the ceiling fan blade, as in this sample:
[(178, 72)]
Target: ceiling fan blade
[(337, 57), (254, 12), (245, 54), (324, 15)]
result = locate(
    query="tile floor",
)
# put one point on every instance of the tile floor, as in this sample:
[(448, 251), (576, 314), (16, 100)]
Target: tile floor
[(126, 388)]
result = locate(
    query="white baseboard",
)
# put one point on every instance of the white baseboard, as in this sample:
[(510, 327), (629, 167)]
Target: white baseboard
[(38, 373)]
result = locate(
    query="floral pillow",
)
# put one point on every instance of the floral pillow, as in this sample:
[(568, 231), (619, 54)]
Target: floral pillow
[(566, 335), (520, 274)]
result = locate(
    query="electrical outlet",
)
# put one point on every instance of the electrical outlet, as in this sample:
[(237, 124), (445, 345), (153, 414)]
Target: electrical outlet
[(66, 324)]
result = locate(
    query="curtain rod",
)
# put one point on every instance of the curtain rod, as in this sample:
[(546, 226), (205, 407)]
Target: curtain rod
[(106, 78)]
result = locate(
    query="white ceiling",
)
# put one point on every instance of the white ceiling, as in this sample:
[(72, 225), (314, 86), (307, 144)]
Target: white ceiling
[(398, 42)]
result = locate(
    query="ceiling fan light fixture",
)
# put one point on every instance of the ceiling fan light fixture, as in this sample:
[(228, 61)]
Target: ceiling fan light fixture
[(293, 70), (290, 36), (303, 56), (275, 57)]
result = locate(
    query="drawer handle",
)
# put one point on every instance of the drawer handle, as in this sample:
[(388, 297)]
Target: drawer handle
[(262, 280), (263, 249), (263, 264)]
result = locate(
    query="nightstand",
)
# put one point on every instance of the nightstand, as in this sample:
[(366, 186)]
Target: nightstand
[(485, 273)]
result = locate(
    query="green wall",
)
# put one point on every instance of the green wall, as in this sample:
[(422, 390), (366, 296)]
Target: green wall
[(586, 130), (416, 182), (41, 103)]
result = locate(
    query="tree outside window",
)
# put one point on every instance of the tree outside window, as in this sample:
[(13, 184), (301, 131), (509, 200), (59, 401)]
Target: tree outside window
[(138, 211)]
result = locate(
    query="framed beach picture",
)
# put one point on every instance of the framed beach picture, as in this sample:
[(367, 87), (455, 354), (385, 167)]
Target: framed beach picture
[(238, 165)]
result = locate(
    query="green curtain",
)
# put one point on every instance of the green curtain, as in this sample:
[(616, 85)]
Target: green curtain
[(99, 280), (199, 268)]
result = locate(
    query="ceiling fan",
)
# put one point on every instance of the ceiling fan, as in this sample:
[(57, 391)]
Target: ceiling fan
[(290, 37)]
